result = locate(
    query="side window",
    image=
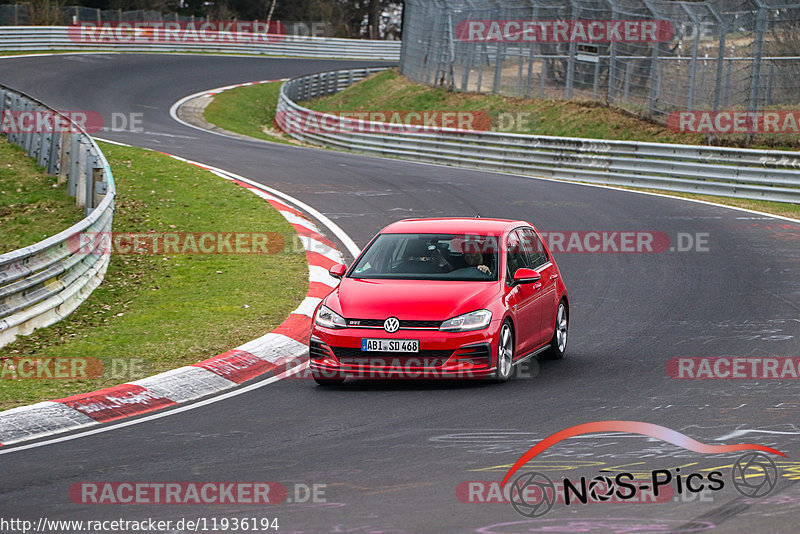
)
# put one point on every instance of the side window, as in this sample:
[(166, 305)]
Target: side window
[(534, 247), (515, 254)]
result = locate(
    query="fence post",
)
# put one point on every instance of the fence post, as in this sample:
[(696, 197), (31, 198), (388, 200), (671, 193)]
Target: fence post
[(693, 61), (628, 73), (720, 62), (499, 58), (655, 82), (755, 76), (612, 59), (531, 51), (573, 51)]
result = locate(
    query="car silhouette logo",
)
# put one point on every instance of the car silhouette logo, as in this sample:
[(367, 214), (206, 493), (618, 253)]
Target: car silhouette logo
[(391, 325)]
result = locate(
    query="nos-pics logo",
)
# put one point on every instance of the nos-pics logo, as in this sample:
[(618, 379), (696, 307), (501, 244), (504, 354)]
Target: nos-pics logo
[(533, 494)]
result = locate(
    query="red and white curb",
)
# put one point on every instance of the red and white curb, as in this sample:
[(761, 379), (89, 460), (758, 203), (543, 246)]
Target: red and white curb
[(269, 355)]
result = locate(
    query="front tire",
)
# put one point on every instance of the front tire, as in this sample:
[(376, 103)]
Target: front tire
[(558, 343), (505, 353)]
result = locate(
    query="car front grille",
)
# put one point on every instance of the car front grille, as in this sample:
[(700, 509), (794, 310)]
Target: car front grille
[(404, 324), (423, 358)]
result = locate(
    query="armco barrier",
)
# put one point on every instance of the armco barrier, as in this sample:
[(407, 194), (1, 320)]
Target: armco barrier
[(45, 282), (39, 38), (731, 172)]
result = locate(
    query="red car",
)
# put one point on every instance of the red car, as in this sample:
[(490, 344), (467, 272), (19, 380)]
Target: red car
[(441, 298)]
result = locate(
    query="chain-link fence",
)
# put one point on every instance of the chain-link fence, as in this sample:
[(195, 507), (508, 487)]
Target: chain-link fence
[(652, 57), (25, 14)]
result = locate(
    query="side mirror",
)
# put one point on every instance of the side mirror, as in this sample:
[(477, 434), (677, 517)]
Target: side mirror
[(338, 270), (526, 276)]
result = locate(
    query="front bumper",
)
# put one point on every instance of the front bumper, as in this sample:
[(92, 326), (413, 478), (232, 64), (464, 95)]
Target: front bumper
[(337, 354)]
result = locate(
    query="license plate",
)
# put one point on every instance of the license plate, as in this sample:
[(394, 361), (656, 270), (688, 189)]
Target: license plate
[(390, 345)]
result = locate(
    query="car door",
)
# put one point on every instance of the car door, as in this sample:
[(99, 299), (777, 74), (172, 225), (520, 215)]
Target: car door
[(547, 295), (522, 298)]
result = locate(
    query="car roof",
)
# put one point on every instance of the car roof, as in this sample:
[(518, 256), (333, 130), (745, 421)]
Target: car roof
[(453, 225)]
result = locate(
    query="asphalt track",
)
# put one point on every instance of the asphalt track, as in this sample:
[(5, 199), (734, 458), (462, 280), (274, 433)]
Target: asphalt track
[(392, 454)]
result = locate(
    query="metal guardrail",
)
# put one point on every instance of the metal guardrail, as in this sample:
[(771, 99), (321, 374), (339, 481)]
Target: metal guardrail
[(38, 38), (731, 172), (45, 282)]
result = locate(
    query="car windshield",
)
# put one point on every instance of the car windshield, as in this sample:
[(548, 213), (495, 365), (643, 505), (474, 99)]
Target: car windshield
[(455, 257)]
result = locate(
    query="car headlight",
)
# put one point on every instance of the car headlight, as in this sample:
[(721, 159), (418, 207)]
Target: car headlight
[(329, 319), (476, 320)]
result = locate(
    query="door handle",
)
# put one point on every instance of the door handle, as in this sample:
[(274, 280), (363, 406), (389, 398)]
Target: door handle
[(553, 276), (537, 285)]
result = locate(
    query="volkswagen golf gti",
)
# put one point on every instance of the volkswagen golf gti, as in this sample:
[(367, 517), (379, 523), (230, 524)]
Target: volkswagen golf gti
[(442, 298)]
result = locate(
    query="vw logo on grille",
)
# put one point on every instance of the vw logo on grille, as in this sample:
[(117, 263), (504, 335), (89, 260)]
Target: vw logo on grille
[(392, 324)]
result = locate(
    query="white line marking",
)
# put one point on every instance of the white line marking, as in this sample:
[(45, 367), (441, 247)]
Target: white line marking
[(740, 433)]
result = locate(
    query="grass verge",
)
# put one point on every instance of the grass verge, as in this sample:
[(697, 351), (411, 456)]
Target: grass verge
[(248, 110), (155, 312), (32, 204)]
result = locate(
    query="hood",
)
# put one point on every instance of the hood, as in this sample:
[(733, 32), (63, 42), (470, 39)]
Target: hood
[(422, 300)]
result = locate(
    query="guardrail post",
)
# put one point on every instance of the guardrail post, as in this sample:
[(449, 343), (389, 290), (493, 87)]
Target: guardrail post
[(98, 180), (53, 155), (45, 143), (91, 163), (81, 175), (64, 144), (27, 137), (9, 107), (74, 166)]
